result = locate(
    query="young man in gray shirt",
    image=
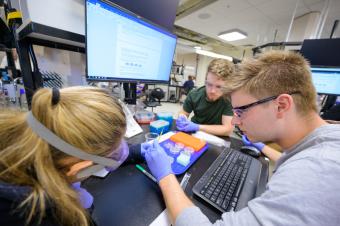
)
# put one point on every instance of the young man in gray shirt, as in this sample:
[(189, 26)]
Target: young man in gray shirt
[(273, 99)]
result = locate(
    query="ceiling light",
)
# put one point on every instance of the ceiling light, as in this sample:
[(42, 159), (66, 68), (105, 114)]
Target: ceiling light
[(189, 67), (212, 54), (197, 47), (233, 35)]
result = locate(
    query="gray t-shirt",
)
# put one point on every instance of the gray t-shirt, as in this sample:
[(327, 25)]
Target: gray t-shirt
[(304, 189)]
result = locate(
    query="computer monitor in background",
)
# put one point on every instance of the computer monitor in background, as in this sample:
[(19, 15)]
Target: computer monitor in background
[(164, 15), (326, 80), (122, 46), (325, 52)]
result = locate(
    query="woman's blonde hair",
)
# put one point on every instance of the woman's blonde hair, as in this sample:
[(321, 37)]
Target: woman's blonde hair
[(87, 118)]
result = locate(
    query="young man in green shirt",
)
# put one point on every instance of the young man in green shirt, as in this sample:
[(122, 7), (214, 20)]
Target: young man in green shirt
[(212, 113)]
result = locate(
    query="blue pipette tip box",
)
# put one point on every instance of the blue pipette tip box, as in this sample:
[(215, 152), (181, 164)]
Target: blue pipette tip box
[(159, 126)]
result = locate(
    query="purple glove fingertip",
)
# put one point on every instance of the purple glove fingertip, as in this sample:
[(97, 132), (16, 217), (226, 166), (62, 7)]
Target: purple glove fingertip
[(246, 141), (258, 145), (156, 145), (85, 198), (145, 148), (195, 127), (191, 127), (181, 122), (158, 161)]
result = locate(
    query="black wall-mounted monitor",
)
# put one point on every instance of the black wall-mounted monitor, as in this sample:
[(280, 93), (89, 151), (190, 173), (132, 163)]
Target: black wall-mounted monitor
[(326, 80), (325, 52), (161, 12), (122, 46)]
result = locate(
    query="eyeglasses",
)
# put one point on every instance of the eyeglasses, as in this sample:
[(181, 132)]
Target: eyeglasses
[(240, 110), (210, 86), (118, 155)]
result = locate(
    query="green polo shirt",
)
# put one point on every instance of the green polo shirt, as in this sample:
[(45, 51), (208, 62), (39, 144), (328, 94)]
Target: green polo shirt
[(206, 112)]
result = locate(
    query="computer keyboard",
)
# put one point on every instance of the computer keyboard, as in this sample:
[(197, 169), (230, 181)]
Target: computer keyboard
[(222, 184)]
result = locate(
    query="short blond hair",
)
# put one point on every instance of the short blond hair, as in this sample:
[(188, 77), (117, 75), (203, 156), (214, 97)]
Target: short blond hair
[(221, 68), (274, 73)]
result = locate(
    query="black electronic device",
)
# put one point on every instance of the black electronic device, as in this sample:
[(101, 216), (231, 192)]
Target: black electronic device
[(222, 185), (154, 97), (325, 52), (332, 113), (326, 80), (130, 93), (6, 36), (122, 46), (251, 150), (164, 16)]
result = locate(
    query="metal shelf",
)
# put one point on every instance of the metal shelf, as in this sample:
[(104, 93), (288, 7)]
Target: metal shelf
[(37, 34)]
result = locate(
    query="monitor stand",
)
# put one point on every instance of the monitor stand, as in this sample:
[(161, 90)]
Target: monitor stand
[(329, 101), (130, 91)]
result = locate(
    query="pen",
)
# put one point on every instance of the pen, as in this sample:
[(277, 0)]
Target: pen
[(146, 173), (159, 137)]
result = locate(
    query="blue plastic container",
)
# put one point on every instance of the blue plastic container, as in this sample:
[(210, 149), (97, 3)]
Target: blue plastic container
[(166, 116), (159, 126)]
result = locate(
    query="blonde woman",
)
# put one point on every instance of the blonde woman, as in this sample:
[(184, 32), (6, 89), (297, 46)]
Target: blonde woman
[(68, 134)]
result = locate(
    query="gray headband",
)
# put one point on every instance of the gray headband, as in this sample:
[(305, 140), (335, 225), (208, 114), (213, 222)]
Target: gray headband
[(48, 136)]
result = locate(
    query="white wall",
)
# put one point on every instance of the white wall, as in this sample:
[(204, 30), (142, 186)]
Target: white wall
[(2, 55), (67, 15), (70, 65), (203, 62), (304, 27), (189, 60)]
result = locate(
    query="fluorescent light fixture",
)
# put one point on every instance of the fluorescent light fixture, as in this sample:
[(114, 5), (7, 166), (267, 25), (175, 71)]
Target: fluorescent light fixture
[(212, 54), (189, 67), (233, 35), (197, 47)]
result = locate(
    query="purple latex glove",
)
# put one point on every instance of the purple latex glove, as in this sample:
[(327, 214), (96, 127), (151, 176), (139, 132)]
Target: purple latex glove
[(183, 124), (157, 160), (86, 199), (120, 154), (258, 145), (181, 121)]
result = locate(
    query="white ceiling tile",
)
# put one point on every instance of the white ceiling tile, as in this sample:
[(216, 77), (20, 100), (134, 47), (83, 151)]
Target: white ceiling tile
[(227, 6), (278, 8), (310, 3), (258, 18), (316, 6), (257, 2)]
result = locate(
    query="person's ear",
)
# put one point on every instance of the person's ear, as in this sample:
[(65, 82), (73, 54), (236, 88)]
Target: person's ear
[(284, 103), (74, 169)]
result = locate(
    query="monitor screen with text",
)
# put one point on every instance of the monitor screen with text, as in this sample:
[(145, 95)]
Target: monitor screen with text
[(326, 80), (121, 46)]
